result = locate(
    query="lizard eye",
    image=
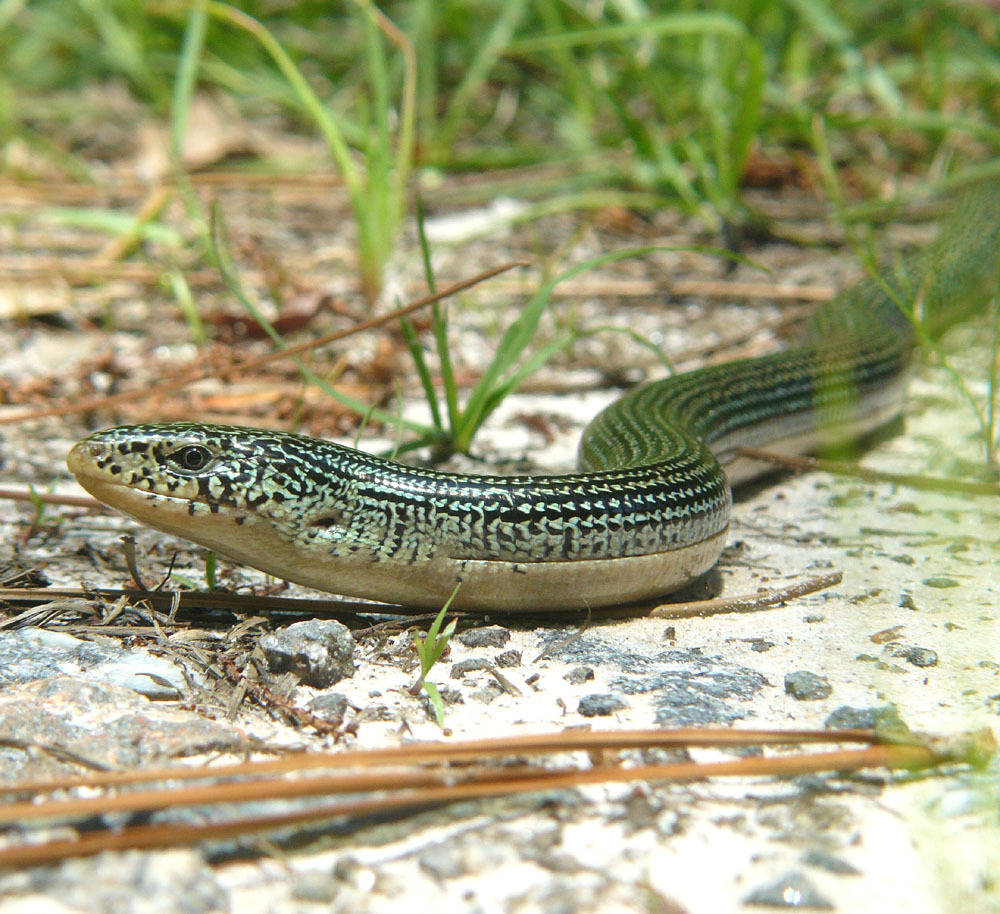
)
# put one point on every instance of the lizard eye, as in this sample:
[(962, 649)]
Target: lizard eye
[(191, 458)]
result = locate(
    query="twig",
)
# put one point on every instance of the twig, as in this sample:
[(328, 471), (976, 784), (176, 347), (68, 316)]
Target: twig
[(842, 468), (68, 501), (274, 703), (746, 604)]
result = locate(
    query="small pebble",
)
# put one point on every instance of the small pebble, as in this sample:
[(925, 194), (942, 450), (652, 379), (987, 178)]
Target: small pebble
[(315, 887), (848, 718), (579, 675), (793, 890), (508, 658), (918, 656), (319, 652), (600, 705), (940, 580), (805, 686), (487, 636), (329, 707), (459, 669), (442, 862)]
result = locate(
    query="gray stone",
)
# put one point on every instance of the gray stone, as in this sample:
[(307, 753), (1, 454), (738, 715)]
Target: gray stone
[(319, 652), (36, 653), (316, 887), (806, 686), (689, 688), (132, 882), (885, 717), (793, 890), (330, 707), (918, 656), (109, 725), (459, 669), (508, 658), (600, 705), (579, 675), (487, 636), (443, 861), (940, 581)]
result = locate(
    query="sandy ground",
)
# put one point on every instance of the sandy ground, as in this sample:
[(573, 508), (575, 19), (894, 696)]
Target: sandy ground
[(914, 624)]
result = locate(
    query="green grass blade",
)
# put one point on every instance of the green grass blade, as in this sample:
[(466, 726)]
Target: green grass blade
[(439, 326), (308, 99), (185, 301), (187, 76), (412, 342), (496, 43), (228, 270), (672, 25)]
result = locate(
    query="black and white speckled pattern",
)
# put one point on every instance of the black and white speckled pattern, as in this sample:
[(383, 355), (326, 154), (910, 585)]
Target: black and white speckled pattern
[(652, 486)]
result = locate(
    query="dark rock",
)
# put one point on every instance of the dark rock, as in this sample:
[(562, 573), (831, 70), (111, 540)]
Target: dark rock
[(579, 675), (600, 705), (793, 890), (805, 686), (885, 717), (459, 669), (319, 652), (508, 658), (689, 688), (918, 656), (451, 696), (487, 636), (330, 707), (940, 581)]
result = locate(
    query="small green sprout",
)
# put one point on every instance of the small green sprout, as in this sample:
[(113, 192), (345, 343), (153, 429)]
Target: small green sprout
[(429, 648)]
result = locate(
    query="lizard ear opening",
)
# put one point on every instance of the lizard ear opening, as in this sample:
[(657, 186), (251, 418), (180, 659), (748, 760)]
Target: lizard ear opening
[(325, 522)]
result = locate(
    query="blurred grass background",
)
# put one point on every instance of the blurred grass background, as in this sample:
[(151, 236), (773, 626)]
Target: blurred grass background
[(645, 104)]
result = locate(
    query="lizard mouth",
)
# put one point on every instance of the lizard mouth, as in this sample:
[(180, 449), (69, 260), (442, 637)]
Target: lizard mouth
[(89, 462)]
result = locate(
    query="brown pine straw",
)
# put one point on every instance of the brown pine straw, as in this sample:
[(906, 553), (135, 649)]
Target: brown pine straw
[(751, 603), (191, 377), (398, 778)]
